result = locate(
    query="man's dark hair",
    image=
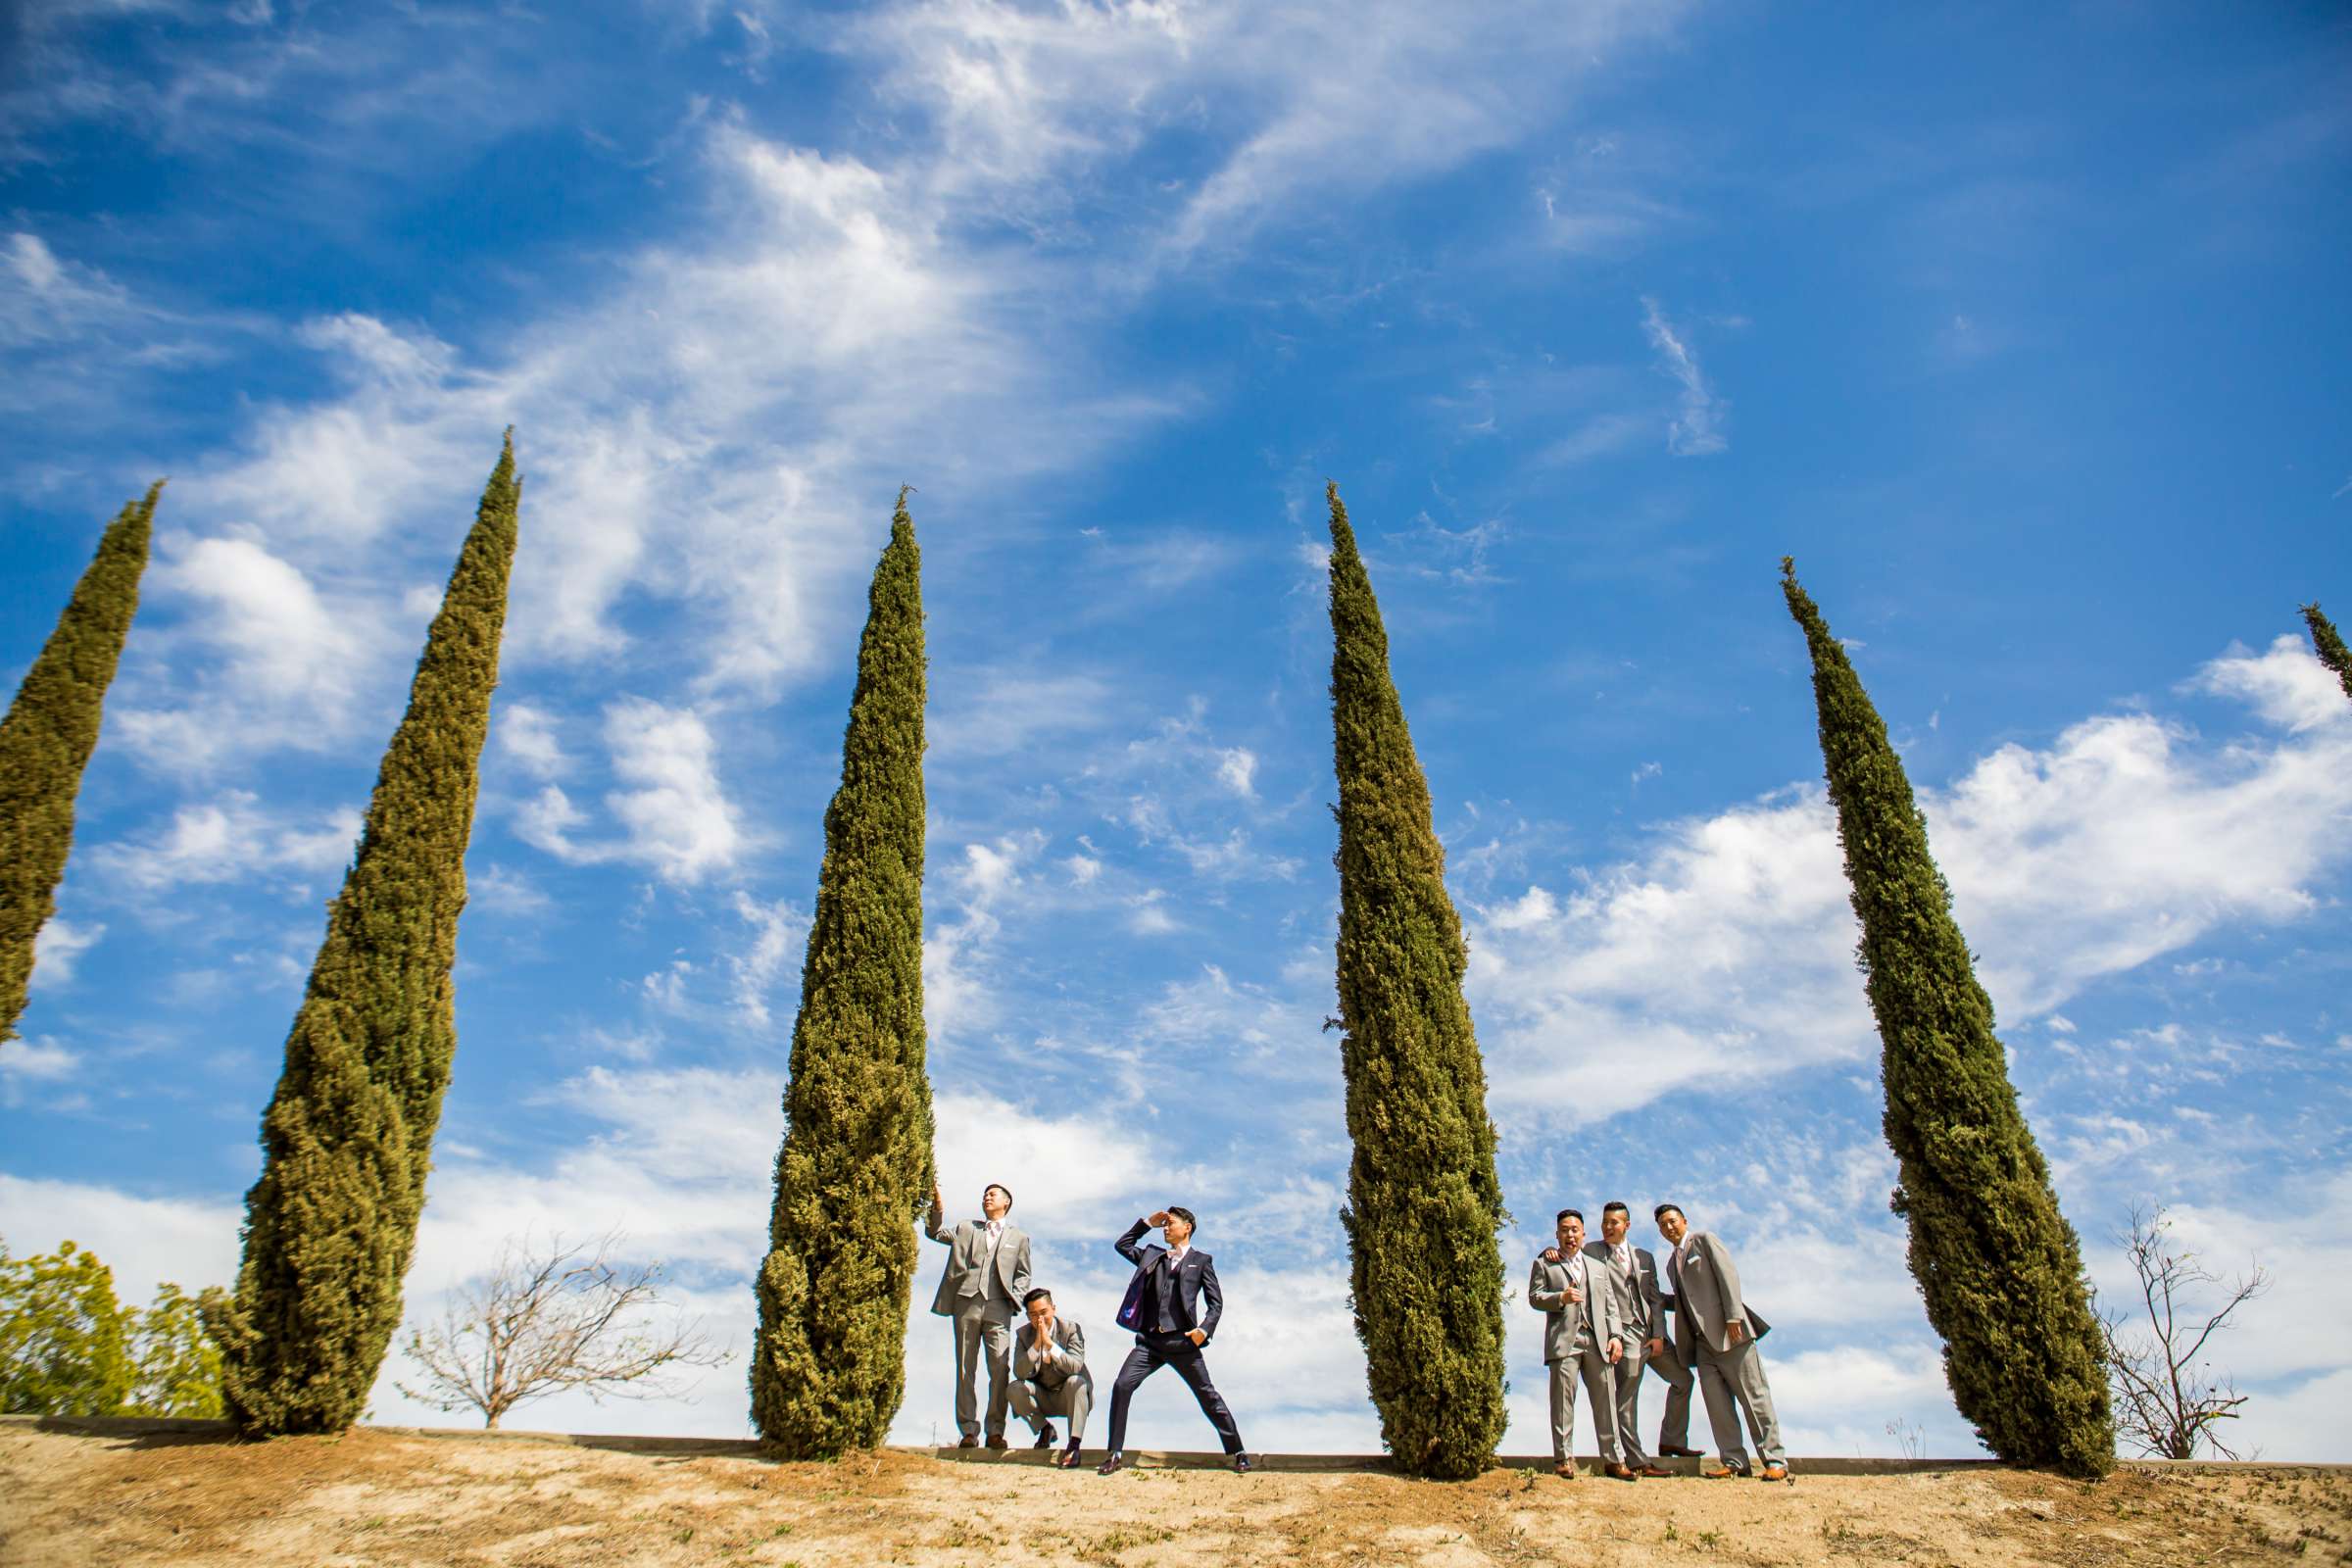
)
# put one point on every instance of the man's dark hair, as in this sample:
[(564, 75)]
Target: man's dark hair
[(1615, 1207), (1664, 1209), (1040, 1294), (1001, 1187), (1186, 1215), (1576, 1213)]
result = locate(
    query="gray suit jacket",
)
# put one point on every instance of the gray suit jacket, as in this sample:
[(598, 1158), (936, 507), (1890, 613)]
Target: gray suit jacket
[(1546, 1287), (1641, 1305), (1706, 1297), (1068, 1359), (965, 1279)]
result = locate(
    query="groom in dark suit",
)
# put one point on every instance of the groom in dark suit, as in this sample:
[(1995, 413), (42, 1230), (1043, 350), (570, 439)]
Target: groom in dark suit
[(1172, 1304)]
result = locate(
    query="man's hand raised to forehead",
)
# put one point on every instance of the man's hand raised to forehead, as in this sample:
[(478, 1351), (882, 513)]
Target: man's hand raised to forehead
[(1158, 1220)]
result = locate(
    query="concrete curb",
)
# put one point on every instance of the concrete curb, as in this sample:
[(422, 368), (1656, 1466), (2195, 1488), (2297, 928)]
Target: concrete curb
[(122, 1426)]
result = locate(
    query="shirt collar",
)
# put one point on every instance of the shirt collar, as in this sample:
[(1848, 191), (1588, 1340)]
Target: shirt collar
[(1176, 1255)]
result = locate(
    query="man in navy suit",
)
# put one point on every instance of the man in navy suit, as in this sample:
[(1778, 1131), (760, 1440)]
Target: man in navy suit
[(1172, 1304)]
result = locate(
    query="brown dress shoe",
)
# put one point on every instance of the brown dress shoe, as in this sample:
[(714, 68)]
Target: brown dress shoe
[(1719, 1472), (1068, 1459), (1619, 1472), (1044, 1436), (969, 1440), (1110, 1467), (1669, 1452), (996, 1440), (1564, 1470), (1773, 1472), (1652, 1470)]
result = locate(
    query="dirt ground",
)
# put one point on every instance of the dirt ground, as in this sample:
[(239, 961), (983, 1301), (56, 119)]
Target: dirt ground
[(375, 1498)]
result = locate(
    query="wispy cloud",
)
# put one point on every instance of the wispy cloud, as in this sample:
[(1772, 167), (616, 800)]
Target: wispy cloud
[(1698, 426), (673, 812)]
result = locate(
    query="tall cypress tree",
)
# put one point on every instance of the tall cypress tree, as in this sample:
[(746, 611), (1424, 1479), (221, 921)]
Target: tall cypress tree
[(2329, 647), (47, 738), (1422, 1200), (348, 1136), (2001, 1268), (828, 1368)]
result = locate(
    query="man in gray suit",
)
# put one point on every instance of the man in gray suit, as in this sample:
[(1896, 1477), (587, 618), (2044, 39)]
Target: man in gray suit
[(1716, 1331), (1050, 1375), (1581, 1338), (1641, 1314), (987, 1274)]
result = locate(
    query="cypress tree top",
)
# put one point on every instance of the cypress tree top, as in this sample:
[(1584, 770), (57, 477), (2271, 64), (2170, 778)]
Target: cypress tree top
[(1999, 1267), (47, 738), (2329, 647), (1424, 1202), (828, 1368)]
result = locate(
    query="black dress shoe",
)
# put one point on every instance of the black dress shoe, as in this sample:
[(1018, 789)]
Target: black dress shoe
[(1068, 1459), (1241, 1464), (969, 1440), (1044, 1436), (1673, 1452), (1110, 1467)]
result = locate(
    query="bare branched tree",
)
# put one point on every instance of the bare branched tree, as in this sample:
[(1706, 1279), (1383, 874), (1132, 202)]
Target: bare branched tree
[(549, 1318), (2167, 1399)]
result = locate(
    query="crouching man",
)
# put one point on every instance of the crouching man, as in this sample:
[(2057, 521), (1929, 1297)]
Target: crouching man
[(1050, 1379)]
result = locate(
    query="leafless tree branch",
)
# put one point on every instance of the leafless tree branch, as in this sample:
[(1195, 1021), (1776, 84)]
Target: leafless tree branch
[(549, 1318), (2168, 1400)]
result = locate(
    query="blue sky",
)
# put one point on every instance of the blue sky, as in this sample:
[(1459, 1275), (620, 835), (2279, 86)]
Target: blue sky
[(2022, 329)]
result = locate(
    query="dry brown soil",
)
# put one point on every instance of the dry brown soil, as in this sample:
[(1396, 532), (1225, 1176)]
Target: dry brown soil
[(378, 1497)]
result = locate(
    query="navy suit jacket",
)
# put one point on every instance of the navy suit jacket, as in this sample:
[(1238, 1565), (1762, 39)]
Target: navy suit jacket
[(1196, 1284)]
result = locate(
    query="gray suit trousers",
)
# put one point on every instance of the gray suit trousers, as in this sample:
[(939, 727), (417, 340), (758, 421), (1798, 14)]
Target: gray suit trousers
[(1733, 1382), (1033, 1402), (1674, 1432), (1591, 1364), (982, 1322)]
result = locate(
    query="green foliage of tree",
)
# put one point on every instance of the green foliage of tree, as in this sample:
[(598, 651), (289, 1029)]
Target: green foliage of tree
[(63, 1346), (177, 1365), (2329, 647), (828, 1367), (47, 738), (347, 1139), (69, 1348), (1423, 1200), (2001, 1268)]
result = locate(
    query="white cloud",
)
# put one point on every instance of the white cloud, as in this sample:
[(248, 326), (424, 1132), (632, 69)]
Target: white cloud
[(229, 839), (678, 819), (778, 933), (1697, 427), (505, 892), (1725, 954), (960, 990), (59, 945), (675, 814), (297, 666), (1236, 765), (190, 1241), (41, 1060), (1012, 714), (527, 734)]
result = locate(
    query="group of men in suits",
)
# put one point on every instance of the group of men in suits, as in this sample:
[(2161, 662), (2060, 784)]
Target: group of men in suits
[(1038, 1370), (1606, 1314), (1604, 1320)]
